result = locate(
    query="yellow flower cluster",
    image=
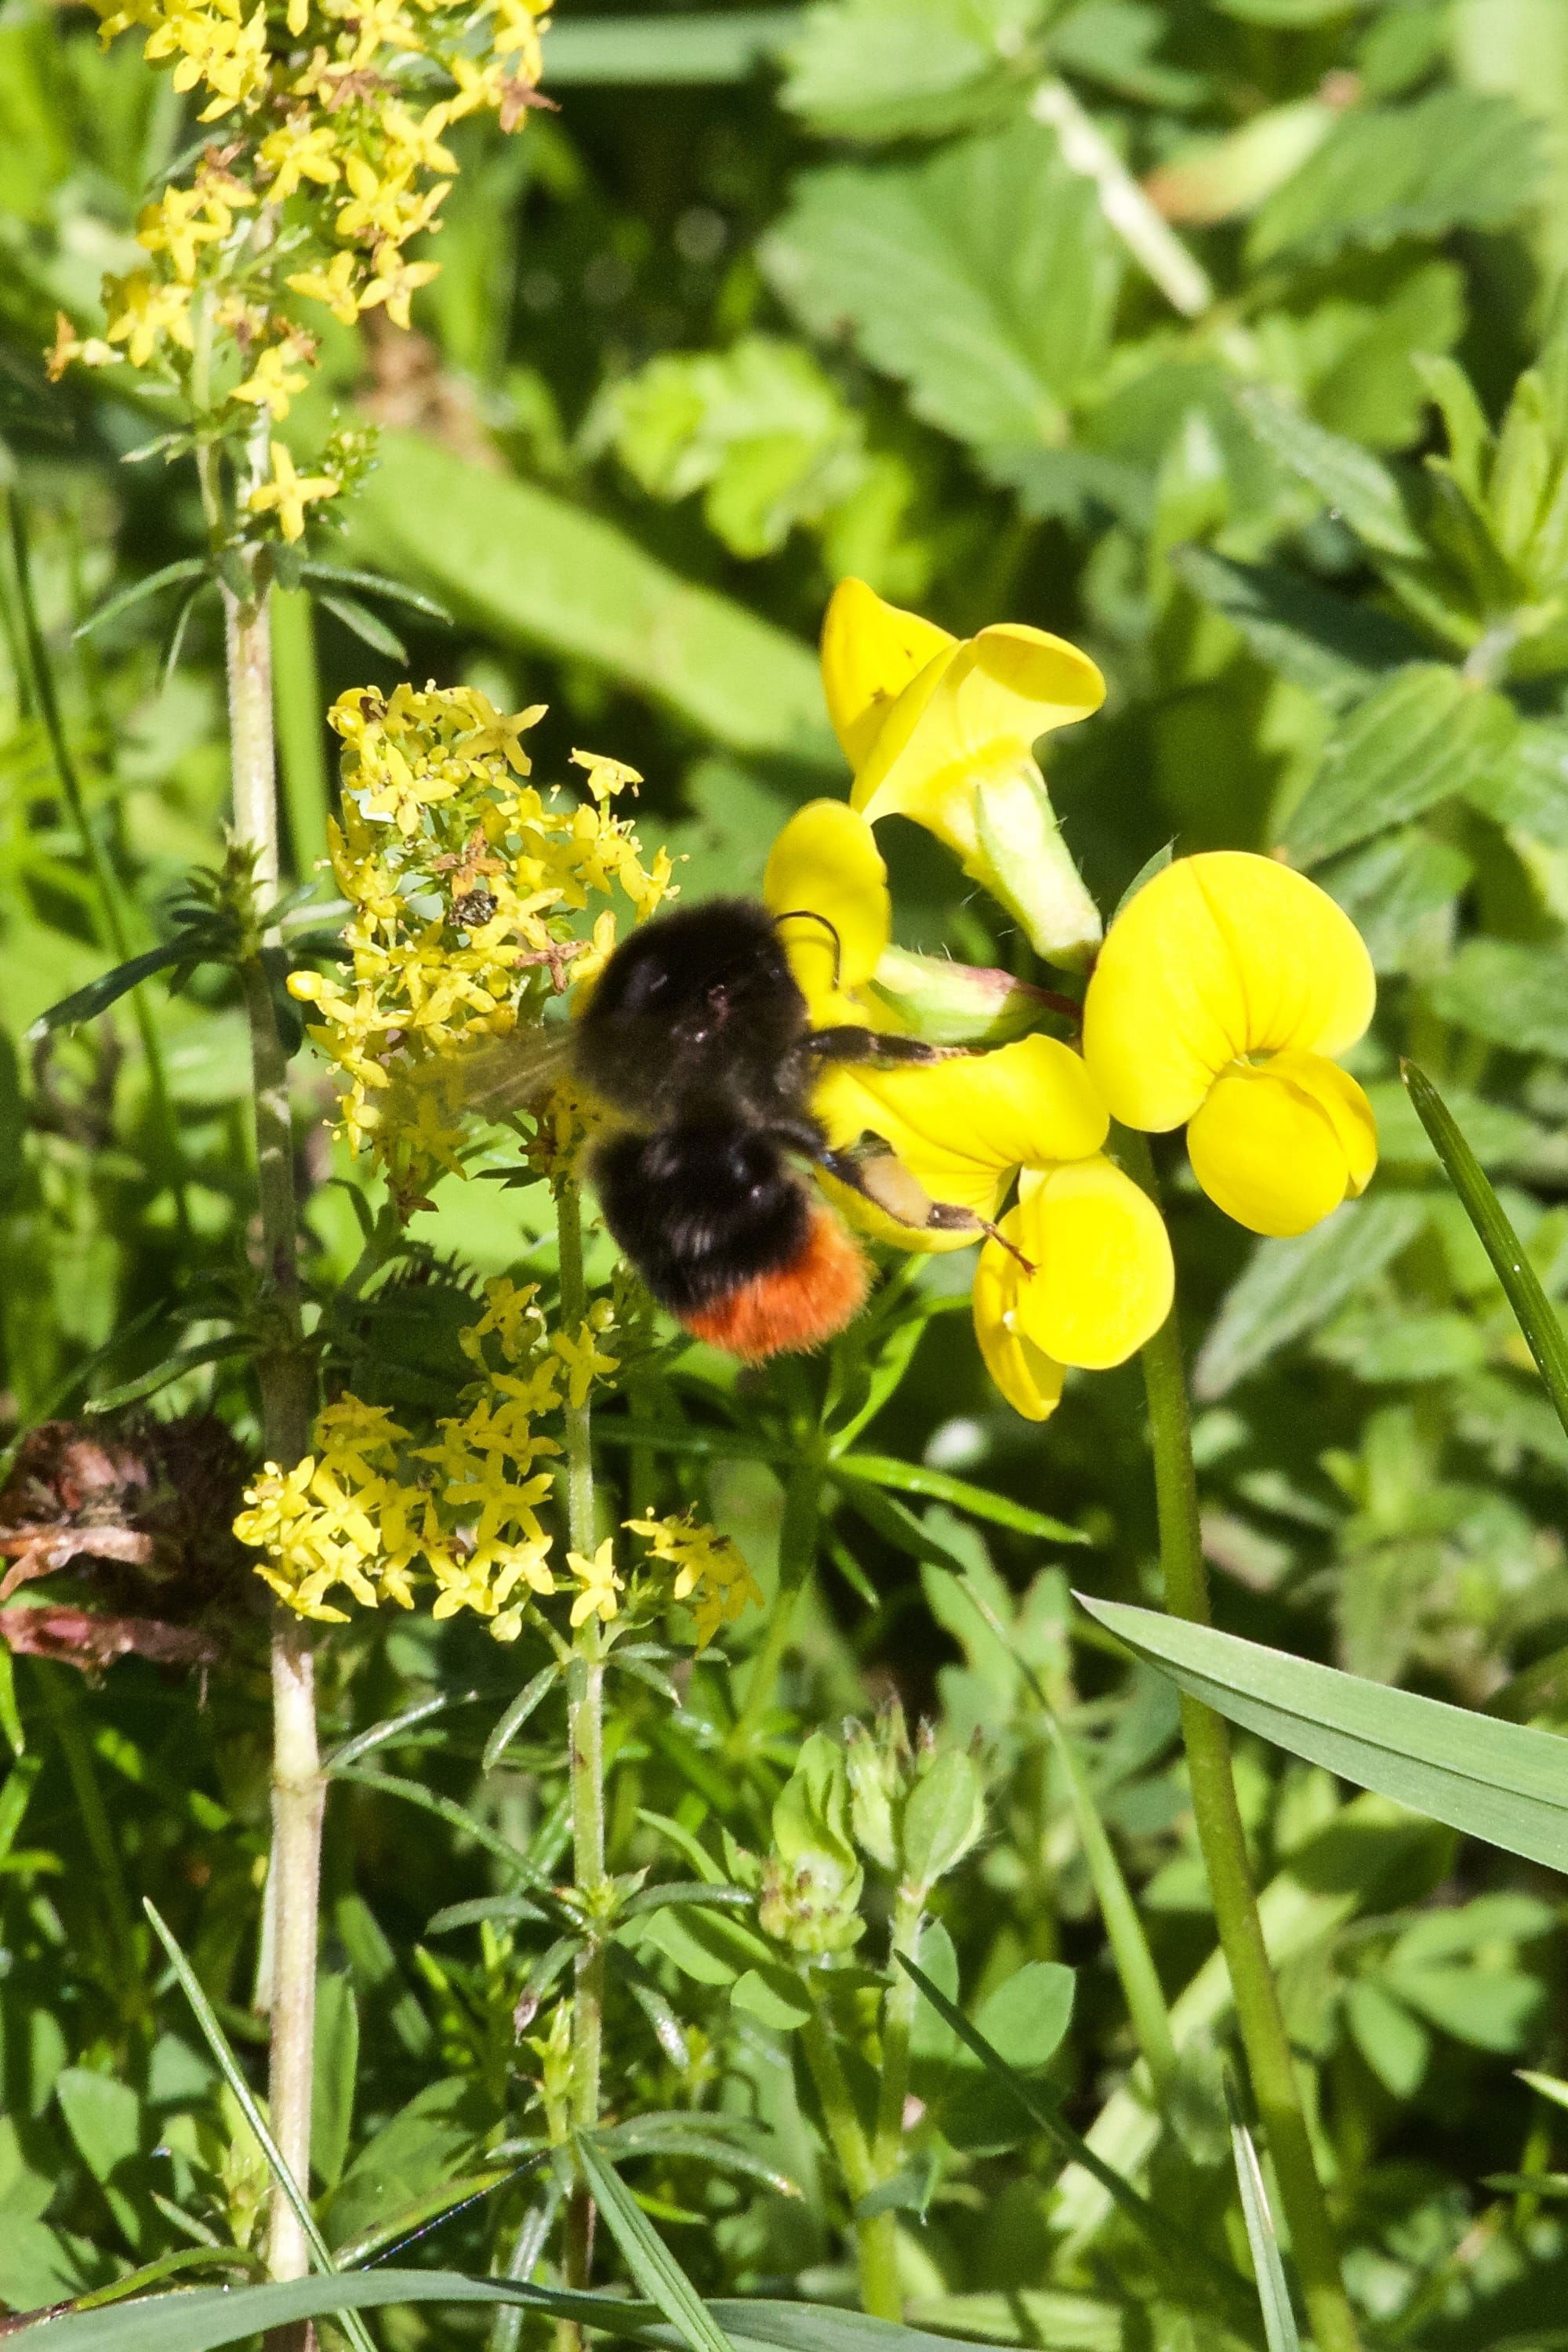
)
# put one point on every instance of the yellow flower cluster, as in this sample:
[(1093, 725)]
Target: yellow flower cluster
[(372, 1512), (318, 117), (368, 1510), (1219, 1000), (467, 885), (710, 1574)]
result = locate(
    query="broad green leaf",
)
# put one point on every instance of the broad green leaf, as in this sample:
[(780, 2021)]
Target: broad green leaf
[(901, 69), (409, 2158), (1279, 2329), (1503, 1782), (775, 1999), (1424, 737), (1451, 160), (984, 279), (1349, 480), (536, 571), (760, 430), (1187, 2258), (336, 2068), (1395, 2046), (1290, 1287), (1538, 1319), (1515, 994), (648, 2259), (639, 52), (1026, 2018), (1328, 643)]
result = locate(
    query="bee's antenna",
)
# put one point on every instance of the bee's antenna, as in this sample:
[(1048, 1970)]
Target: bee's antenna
[(810, 915)]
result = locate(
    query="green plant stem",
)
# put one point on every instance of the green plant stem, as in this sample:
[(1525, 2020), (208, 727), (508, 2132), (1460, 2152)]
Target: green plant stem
[(1224, 1843), (585, 1743), (798, 1552), (876, 2239), (284, 1375), (115, 930)]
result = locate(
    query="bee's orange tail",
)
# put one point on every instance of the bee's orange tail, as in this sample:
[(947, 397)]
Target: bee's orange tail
[(798, 1307)]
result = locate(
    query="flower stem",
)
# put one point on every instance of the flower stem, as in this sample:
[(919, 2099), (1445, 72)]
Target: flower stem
[(1224, 1843), (283, 1374), (876, 2238), (585, 1743)]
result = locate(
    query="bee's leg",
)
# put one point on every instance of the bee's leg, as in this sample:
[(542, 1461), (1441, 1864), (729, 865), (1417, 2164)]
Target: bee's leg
[(850, 1044), (879, 1176)]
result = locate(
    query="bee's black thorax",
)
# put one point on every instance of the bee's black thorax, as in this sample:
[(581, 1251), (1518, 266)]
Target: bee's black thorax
[(697, 1016)]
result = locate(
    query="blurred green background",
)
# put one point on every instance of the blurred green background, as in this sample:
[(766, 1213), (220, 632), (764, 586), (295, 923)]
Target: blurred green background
[(1268, 409)]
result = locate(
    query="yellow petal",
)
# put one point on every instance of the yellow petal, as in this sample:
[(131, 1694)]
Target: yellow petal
[(826, 862), (1220, 955), (976, 709), (870, 651), (1104, 1277), (1278, 1147), (1029, 1380), (962, 1127)]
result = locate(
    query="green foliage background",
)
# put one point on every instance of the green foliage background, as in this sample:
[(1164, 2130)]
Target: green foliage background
[(771, 299)]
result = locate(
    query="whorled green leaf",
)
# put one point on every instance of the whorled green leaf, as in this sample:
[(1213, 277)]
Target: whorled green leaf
[(1503, 1782)]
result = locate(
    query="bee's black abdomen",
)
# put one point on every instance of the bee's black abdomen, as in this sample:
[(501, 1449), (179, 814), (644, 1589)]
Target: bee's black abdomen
[(702, 1209)]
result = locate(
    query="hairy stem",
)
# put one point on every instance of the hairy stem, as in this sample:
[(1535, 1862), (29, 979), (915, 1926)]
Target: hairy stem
[(585, 1742), (1224, 1843), (283, 1372)]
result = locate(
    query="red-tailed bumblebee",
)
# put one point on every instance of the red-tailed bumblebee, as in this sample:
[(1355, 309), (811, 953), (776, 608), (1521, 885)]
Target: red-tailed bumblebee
[(698, 1039)]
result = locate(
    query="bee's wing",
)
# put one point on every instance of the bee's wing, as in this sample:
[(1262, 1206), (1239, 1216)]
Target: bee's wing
[(512, 1072)]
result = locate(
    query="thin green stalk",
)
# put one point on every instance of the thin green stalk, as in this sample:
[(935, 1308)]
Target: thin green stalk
[(876, 2240), (116, 931), (585, 1745), (1224, 1843), (1134, 1962), (62, 1705), (798, 1552), (284, 1375), (301, 750)]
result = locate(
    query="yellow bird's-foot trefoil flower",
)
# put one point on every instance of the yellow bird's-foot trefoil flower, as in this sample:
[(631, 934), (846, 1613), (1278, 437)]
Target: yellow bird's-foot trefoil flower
[(1083, 1272), (1224, 991), (942, 729), (827, 884)]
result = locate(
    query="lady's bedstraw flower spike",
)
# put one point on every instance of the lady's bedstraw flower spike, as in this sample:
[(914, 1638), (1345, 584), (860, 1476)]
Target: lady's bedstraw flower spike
[(1099, 1277), (942, 730), (1222, 994)]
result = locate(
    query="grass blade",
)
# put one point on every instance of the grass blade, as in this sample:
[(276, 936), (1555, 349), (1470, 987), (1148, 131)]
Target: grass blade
[(217, 2043), (1544, 1334), (938, 1486), (647, 2258), (1280, 2327)]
